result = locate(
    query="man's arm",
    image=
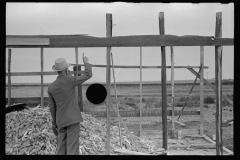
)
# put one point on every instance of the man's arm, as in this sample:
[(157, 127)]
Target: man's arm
[(87, 75), (52, 107)]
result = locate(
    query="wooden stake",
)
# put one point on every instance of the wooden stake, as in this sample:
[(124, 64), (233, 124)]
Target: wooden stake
[(108, 80), (76, 56), (115, 88), (140, 107), (218, 84), (201, 89), (42, 102), (172, 84), (164, 85), (9, 76)]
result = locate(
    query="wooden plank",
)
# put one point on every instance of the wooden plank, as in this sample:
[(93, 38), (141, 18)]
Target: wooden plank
[(211, 86), (140, 107), (126, 41), (190, 92), (201, 90), (164, 86), (172, 86), (211, 141), (115, 89), (9, 77), (76, 57), (27, 41), (42, 77), (80, 99), (218, 83), (145, 67), (38, 73), (180, 123), (199, 146), (108, 80), (127, 152)]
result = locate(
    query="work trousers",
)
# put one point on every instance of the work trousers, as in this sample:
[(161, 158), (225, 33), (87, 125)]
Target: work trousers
[(68, 140)]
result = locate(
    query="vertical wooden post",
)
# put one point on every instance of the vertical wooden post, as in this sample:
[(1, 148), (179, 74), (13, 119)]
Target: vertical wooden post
[(80, 101), (164, 87), (172, 84), (42, 102), (115, 88), (76, 56), (140, 107), (218, 83), (9, 76), (108, 80), (201, 89)]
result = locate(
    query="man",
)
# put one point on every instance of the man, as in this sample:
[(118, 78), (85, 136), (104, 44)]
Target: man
[(64, 109)]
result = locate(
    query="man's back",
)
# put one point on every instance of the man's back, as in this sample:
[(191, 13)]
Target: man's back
[(64, 96)]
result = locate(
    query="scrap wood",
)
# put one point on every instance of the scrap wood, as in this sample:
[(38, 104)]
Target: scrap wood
[(224, 148), (204, 145), (127, 152), (180, 123)]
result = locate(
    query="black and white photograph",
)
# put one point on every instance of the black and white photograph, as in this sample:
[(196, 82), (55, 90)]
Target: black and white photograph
[(119, 78)]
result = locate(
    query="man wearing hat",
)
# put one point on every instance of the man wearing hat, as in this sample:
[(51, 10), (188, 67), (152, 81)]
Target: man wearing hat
[(64, 109)]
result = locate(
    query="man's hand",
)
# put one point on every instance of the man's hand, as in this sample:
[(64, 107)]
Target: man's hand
[(85, 59)]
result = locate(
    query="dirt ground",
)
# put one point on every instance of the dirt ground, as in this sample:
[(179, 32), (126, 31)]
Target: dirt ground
[(152, 130)]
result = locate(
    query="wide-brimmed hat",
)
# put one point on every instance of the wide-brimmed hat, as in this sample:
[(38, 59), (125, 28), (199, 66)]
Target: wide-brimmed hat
[(60, 64)]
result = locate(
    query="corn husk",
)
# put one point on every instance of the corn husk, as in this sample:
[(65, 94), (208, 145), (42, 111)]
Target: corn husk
[(30, 132)]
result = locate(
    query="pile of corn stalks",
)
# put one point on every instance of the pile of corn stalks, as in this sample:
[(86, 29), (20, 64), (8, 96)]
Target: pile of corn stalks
[(30, 132)]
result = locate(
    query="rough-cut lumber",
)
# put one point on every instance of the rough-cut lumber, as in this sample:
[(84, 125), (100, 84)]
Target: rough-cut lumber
[(38, 73), (190, 92), (117, 66), (108, 80), (180, 123), (201, 90), (117, 106), (172, 86), (76, 57), (61, 41), (211, 141), (9, 77), (164, 82), (218, 84), (127, 152), (41, 56), (199, 146), (211, 86), (140, 92)]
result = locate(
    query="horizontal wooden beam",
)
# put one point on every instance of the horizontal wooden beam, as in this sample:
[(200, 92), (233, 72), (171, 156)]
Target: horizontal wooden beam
[(117, 66), (66, 41), (38, 73)]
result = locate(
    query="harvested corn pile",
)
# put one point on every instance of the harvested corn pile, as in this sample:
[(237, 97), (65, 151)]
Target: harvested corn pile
[(30, 132)]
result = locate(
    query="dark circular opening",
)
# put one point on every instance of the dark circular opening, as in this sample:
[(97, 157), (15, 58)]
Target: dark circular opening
[(96, 93)]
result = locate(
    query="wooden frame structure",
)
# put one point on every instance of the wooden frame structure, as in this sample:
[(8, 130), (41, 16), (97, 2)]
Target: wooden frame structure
[(162, 40)]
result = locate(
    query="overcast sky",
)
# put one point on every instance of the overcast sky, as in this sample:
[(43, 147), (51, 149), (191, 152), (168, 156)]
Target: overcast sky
[(128, 19)]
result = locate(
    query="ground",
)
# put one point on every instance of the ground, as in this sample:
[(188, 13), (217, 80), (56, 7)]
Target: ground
[(151, 126)]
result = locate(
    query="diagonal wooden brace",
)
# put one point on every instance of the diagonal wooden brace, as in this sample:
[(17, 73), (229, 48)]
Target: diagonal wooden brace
[(190, 92), (211, 86)]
